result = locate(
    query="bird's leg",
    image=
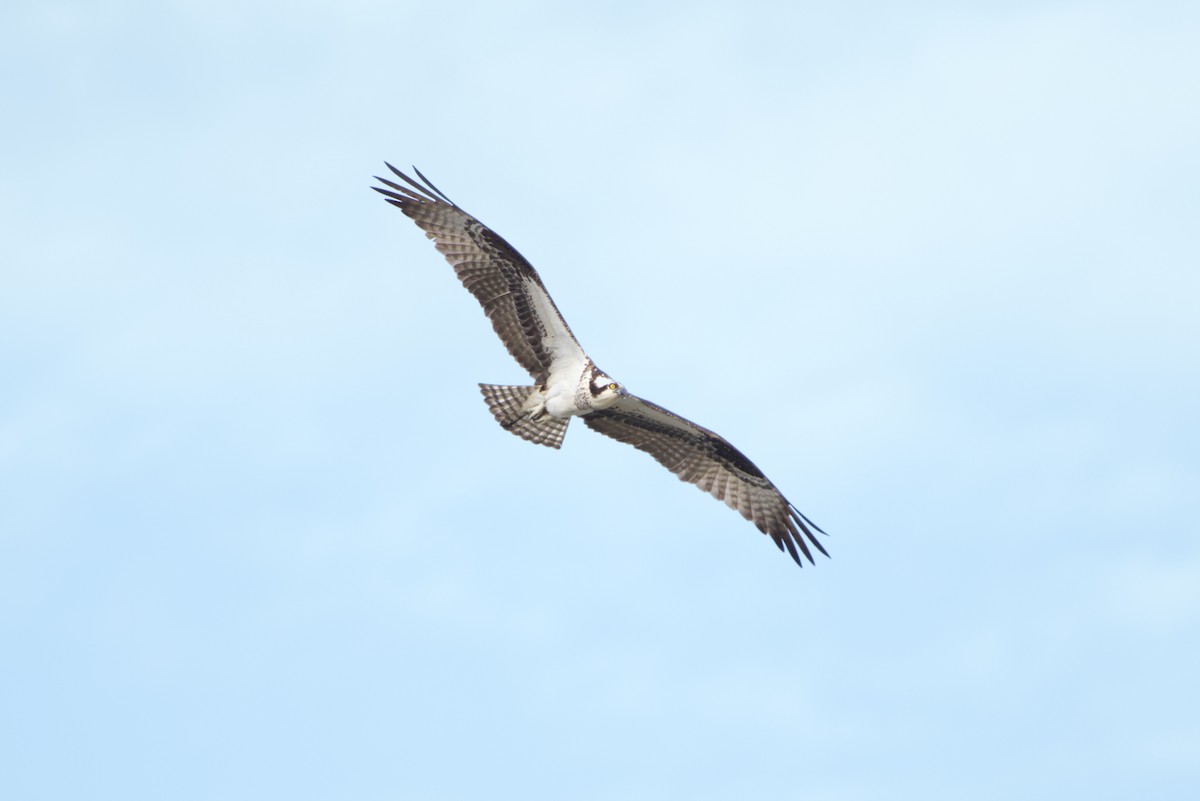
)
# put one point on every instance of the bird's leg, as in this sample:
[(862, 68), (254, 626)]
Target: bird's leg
[(535, 405)]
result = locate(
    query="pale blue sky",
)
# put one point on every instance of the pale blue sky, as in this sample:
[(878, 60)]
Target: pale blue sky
[(933, 266)]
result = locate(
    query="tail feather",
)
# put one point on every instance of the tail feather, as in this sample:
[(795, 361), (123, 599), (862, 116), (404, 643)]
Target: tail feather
[(507, 406)]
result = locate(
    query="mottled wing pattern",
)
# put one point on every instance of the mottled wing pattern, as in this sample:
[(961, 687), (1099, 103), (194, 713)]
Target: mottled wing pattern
[(707, 460), (504, 283)]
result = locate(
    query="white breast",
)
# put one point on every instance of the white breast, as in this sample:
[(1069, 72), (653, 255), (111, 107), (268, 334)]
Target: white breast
[(565, 376)]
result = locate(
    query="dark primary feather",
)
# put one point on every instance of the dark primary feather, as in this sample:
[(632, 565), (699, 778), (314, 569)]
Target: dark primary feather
[(707, 460), (493, 271)]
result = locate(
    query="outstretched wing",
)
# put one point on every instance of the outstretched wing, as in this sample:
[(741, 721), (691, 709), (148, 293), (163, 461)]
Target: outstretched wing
[(504, 283), (707, 460)]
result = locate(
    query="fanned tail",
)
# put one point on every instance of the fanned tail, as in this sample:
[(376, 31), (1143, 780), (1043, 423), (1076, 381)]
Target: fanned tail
[(508, 407)]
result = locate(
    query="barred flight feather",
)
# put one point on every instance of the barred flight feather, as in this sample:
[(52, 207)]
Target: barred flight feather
[(704, 458), (492, 270)]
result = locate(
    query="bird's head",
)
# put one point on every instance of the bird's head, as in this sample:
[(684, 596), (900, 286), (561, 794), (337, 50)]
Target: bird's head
[(605, 391)]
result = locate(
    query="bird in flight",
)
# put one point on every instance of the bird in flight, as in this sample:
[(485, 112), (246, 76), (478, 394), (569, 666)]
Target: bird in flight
[(567, 383)]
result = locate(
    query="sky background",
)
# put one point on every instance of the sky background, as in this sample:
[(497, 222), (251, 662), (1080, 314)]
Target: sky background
[(933, 266)]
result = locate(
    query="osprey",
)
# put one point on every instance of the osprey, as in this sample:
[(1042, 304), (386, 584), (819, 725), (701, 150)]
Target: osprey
[(567, 383)]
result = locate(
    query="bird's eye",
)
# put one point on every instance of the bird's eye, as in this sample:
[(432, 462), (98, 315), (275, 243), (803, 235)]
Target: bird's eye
[(612, 386)]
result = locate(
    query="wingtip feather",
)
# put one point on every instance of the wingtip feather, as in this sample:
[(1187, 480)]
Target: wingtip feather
[(797, 519)]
